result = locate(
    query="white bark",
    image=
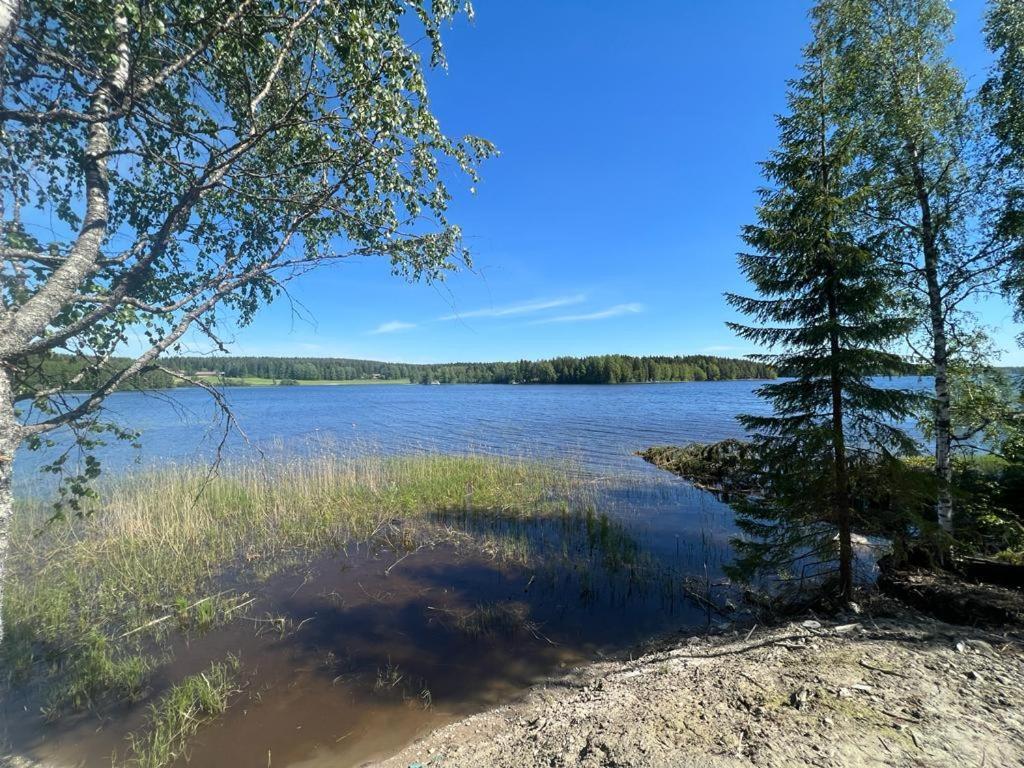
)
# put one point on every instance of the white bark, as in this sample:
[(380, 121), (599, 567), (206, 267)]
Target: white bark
[(943, 466), (31, 318), (10, 436), (10, 430), (21, 324), (940, 344)]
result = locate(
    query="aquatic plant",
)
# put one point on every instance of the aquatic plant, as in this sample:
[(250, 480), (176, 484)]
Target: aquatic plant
[(91, 599), (181, 712)]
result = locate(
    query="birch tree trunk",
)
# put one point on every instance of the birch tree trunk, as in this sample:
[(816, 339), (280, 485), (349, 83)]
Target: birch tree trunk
[(943, 419), (940, 345), (10, 436)]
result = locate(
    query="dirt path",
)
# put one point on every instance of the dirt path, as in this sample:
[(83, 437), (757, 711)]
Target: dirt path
[(896, 692)]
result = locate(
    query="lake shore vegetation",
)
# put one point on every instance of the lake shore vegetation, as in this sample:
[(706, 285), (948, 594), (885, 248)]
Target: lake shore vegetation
[(891, 202), (96, 604), (825, 309), (195, 159)]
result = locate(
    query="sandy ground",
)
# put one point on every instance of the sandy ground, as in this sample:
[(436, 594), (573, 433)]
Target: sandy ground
[(903, 691)]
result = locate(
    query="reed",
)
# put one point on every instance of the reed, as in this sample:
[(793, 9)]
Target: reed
[(89, 599), (180, 713)]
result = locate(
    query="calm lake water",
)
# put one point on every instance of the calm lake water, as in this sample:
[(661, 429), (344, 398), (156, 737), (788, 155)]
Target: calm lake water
[(600, 426), (379, 656)]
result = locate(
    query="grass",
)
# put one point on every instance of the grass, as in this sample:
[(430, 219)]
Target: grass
[(181, 712), (494, 618), (93, 604), (391, 679), (94, 673), (89, 600)]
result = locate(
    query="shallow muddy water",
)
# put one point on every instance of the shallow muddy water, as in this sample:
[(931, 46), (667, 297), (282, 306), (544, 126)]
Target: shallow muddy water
[(352, 656)]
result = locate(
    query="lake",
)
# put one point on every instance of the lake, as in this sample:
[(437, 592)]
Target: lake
[(600, 426), (377, 656)]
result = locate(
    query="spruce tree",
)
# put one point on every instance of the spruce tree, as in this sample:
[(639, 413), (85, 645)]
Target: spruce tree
[(823, 310)]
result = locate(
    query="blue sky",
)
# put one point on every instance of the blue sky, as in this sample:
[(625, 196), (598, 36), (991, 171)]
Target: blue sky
[(630, 136)]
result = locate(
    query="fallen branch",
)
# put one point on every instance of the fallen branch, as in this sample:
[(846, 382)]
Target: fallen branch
[(234, 608)]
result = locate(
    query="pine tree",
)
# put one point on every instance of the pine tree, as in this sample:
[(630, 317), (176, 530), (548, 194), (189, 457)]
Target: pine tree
[(822, 307)]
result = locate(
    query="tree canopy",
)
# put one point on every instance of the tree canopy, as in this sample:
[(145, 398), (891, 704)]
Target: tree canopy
[(167, 168), (1003, 97), (598, 369), (825, 306)]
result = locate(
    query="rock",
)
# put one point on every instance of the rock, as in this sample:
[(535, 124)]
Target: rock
[(798, 698), (975, 675), (811, 624), (978, 645)]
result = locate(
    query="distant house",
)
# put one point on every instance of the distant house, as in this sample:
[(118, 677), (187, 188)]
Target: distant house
[(376, 376), (209, 373)]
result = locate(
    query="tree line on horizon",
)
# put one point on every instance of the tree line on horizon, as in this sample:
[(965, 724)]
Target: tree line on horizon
[(595, 369), (598, 369)]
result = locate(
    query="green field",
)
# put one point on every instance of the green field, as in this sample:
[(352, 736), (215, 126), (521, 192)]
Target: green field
[(255, 381)]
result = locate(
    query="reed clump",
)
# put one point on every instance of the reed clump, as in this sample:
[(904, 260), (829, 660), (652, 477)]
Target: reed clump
[(89, 599), (181, 712)]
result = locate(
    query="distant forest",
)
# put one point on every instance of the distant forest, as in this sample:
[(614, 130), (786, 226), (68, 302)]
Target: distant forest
[(600, 369)]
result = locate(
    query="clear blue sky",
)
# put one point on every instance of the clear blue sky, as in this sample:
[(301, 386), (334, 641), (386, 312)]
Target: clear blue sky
[(630, 136)]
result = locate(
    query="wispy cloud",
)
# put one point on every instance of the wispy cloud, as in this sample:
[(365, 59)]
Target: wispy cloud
[(392, 327), (522, 308), (617, 310)]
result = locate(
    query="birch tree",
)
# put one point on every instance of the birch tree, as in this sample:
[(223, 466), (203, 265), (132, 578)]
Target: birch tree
[(167, 168), (933, 185)]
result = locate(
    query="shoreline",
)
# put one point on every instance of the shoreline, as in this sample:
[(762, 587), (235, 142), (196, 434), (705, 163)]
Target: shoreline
[(893, 688), (885, 687), (359, 383)]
